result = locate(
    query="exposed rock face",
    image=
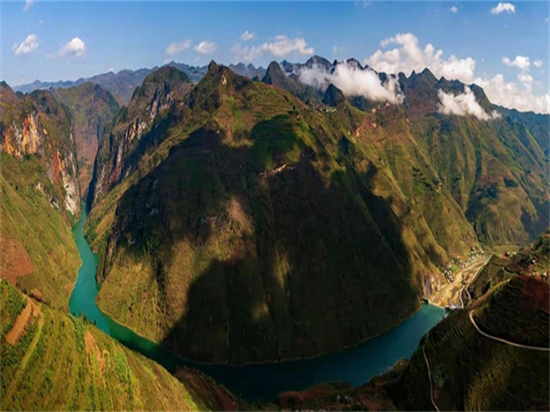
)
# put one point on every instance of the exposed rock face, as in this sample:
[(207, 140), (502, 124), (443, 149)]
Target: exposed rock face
[(159, 94), (92, 109), (37, 125)]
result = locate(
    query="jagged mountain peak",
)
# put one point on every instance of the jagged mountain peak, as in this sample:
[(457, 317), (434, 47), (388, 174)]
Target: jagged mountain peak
[(318, 61), (333, 96), (212, 65)]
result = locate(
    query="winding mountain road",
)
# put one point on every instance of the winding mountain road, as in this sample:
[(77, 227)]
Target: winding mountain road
[(518, 345), (430, 376)]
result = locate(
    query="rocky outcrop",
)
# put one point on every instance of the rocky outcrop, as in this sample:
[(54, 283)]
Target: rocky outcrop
[(160, 92), (36, 125)]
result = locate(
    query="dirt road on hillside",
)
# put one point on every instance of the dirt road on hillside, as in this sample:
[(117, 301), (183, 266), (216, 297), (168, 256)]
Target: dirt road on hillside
[(451, 293)]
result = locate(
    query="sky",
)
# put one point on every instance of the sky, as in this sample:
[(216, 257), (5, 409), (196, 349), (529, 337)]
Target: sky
[(501, 46)]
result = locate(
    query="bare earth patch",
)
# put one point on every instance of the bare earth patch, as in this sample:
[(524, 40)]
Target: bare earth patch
[(14, 260), (32, 310), (93, 350)]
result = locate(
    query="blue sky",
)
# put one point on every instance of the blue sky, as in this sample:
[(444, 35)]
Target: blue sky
[(67, 40)]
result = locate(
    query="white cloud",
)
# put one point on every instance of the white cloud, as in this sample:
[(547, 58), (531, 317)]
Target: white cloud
[(27, 46), (464, 104), (363, 3), (353, 82), (247, 36), (537, 63), (521, 62), (73, 49), (41, 22), (28, 5), (206, 47), (514, 95), (176, 48), (503, 7), (408, 56), (454, 9), (280, 46)]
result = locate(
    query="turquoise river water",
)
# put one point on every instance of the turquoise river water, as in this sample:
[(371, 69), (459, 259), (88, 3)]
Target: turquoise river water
[(261, 381)]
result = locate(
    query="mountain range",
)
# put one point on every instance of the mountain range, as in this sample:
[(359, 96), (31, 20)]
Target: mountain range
[(240, 213), (123, 83)]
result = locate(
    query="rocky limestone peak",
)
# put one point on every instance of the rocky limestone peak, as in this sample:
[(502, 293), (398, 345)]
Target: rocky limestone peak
[(213, 66), (274, 74), (333, 96), (319, 62)]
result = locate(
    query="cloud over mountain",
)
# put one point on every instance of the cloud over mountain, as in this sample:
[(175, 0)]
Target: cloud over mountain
[(464, 104), (408, 56), (353, 82)]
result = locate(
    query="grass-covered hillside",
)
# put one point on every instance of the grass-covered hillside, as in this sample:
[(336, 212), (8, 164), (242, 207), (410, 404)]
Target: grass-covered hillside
[(92, 109), (458, 368), (242, 208), (470, 371), (54, 361), (38, 252), (494, 173), (40, 197), (248, 211)]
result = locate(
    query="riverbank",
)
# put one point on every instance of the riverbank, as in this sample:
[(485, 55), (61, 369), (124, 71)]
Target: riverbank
[(262, 381), (451, 293)]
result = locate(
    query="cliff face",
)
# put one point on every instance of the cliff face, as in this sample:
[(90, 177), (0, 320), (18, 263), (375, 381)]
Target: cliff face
[(36, 125), (160, 91), (92, 109), (245, 210), (40, 196)]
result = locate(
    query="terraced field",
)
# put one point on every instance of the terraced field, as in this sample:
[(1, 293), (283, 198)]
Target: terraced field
[(60, 362), (472, 372), (492, 274), (522, 295)]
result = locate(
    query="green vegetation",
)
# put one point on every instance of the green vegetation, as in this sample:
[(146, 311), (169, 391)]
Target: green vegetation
[(489, 277), (238, 205), (45, 245), (472, 372), (92, 108), (63, 363), (237, 198)]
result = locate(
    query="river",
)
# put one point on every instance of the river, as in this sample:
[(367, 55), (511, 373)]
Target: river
[(264, 381)]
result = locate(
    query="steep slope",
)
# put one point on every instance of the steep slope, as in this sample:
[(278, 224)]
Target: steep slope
[(54, 361), (470, 371), (148, 114), (537, 124), (246, 200), (493, 355), (493, 171), (277, 77), (92, 108), (40, 195)]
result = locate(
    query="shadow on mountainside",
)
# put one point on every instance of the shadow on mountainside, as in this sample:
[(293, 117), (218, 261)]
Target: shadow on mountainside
[(258, 255)]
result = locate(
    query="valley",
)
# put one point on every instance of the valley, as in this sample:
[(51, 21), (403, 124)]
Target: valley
[(285, 232)]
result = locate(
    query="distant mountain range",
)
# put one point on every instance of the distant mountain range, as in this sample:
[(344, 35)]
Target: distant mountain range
[(123, 83)]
